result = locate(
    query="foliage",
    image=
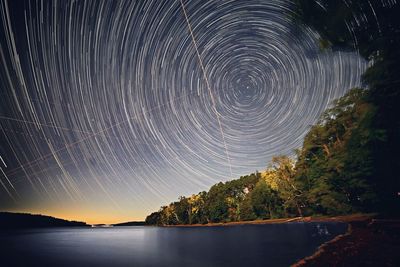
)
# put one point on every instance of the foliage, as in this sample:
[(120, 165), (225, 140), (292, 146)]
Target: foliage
[(334, 165), (348, 160), (332, 175), (224, 202), (373, 29)]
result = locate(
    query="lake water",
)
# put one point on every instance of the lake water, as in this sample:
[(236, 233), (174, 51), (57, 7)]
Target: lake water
[(244, 245)]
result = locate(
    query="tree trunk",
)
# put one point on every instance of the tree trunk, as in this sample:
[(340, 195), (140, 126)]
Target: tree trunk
[(299, 209)]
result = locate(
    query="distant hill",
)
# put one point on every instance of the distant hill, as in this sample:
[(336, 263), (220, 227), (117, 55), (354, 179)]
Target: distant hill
[(25, 220), (135, 223)]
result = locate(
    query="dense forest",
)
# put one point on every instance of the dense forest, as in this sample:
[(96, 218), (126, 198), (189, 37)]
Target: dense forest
[(373, 29), (330, 176), (348, 160)]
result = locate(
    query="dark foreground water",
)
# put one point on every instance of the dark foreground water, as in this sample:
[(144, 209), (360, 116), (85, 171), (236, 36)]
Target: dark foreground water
[(246, 245)]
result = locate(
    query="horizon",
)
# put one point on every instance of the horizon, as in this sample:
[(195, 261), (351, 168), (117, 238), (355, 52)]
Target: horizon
[(111, 110), (210, 133), (100, 221), (71, 215)]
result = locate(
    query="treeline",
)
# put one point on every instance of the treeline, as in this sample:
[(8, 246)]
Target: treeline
[(332, 175), (373, 29), (348, 162), (26, 220)]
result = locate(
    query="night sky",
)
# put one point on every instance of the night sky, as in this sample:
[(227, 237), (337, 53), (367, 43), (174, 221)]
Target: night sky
[(110, 109)]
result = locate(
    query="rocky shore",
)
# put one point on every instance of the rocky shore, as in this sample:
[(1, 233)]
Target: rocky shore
[(368, 242)]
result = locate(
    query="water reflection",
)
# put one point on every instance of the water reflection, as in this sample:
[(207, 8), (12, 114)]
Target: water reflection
[(322, 230), (247, 245)]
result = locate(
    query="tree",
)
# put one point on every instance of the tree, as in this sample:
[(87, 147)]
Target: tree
[(154, 218), (373, 28), (280, 176), (197, 208), (264, 200), (182, 210), (246, 210), (334, 165)]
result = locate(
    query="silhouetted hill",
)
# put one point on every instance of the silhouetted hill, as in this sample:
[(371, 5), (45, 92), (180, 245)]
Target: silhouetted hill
[(25, 220), (135, 223)]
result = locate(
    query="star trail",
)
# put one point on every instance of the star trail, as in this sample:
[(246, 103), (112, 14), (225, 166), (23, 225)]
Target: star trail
[(116, 107)]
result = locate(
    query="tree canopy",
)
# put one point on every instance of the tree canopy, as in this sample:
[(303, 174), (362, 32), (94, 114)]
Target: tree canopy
[(373, 29), (348, 160)]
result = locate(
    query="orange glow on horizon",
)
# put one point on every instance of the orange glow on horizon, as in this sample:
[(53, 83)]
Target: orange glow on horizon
[(83, 216)]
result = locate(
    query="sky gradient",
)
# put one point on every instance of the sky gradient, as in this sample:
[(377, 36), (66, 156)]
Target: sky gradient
[(106, 112)]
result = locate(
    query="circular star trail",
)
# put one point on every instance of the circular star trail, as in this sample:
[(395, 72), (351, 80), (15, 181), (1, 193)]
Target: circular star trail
[(105, 105)]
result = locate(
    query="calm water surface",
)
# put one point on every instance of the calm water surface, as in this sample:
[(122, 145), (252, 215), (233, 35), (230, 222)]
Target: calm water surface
[(246, 245)]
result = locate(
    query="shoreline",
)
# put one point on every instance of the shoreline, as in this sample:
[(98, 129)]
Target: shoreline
[(354, 218), (321, 249), (368, 241)]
